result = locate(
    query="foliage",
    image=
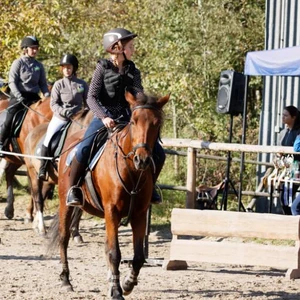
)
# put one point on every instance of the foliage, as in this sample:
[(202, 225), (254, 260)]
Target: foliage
[(182, 47)]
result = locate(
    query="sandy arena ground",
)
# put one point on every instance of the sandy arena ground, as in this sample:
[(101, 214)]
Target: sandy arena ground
[(25, 272)]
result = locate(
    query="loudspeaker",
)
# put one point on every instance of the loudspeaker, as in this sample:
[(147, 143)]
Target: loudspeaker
[(231, 93)]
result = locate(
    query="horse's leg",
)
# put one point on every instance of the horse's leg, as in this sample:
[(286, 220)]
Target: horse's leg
[(39, 192), (77, 213), (113, 255), (138, 225), (65, 215), (10, 172), (29, 211)]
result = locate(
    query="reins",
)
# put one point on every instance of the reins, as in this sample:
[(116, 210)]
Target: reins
[(36, 112), (135, 183)]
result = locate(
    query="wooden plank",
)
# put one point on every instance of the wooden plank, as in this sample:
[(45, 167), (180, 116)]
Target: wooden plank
[(200, 144), (234, 224), (191, 179), (234, 253)]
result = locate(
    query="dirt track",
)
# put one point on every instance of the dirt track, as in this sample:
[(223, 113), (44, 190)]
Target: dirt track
[(25, 272)]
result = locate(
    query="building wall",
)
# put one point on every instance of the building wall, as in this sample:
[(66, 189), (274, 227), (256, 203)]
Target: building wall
[(282, 30)]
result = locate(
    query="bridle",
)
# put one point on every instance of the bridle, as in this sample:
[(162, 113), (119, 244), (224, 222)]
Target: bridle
[(136, 185)]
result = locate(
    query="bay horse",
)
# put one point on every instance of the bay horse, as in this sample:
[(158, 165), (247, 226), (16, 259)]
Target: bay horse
[(123, 180), (38, 113), (40, 188)]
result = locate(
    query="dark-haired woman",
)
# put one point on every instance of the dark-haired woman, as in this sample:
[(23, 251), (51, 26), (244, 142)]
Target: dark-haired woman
[(287, 137)]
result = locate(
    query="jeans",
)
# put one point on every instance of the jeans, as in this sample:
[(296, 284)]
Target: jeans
[(295, 208), (84, 148)]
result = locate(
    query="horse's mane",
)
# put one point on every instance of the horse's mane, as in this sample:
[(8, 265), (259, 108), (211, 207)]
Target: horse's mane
[(149, 99), (143, 99)]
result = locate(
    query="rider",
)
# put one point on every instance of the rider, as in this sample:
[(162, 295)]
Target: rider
[(26, 79), (106, 99), (68, 97)]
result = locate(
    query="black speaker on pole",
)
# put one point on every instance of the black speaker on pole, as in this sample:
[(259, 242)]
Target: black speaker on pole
[(231, 93)]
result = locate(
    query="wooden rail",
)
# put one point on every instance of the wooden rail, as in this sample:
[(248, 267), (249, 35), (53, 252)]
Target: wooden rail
[(193, 145), (186, 224)]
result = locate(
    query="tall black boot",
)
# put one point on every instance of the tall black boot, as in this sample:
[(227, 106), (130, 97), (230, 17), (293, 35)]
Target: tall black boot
[(159, 158), (156, 196), (4, 130), (44, 162), (75, 195)]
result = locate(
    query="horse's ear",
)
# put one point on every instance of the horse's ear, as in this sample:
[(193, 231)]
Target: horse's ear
[(130, 98), (162, 101)]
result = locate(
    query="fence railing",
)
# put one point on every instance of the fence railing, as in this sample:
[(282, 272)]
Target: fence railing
[(193, 145)]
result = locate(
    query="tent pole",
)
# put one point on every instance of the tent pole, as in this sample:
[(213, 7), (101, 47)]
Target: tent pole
[(240, 204)]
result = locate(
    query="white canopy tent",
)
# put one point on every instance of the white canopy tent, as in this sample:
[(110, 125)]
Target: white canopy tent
[(278, 62)]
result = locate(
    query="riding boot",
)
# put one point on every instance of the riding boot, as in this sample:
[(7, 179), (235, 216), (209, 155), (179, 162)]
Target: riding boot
[(75, 195), (4, 130), (44, 162), (156, 196)]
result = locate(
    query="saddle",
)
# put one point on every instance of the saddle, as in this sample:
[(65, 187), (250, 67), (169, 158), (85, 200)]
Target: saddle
[(15, 129), (97, 149), (55, 145)]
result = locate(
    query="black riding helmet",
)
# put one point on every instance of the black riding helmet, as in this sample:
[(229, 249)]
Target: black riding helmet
[(29, 41), (70, 59), (114, 36)]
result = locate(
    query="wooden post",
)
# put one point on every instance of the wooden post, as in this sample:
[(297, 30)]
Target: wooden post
[(191, 178)]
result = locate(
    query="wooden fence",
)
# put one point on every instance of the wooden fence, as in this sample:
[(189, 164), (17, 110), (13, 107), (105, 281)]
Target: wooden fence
[(190, 226), (193, 145)]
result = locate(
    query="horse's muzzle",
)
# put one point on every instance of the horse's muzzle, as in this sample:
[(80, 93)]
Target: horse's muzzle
[(142, 158), (140, 162)]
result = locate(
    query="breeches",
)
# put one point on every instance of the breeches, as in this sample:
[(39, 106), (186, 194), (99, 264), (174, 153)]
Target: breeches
[(55, 125)]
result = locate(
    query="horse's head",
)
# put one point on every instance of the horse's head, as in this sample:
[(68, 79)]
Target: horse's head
[(145, 123)]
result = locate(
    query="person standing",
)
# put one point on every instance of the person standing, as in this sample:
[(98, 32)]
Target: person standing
[(106, 99), (287, 137), (68, 97), (27, 79)]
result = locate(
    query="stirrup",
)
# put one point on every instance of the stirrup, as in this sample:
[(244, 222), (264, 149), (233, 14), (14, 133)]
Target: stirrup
[(75, 196)]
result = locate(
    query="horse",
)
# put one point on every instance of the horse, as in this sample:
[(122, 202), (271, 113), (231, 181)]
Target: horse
[(38, 113), (40, 188), (123, 182)]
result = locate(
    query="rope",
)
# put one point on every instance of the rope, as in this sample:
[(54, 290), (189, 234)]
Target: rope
[(26, 155)]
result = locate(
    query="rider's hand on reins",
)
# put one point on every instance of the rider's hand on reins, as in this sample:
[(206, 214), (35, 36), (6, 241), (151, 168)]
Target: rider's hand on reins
[(109, 122)]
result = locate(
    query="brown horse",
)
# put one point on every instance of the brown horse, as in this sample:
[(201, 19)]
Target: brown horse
[(123, 179), (38, 113), (39, 188)]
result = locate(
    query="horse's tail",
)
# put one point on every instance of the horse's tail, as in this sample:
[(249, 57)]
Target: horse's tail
[(53, 231), (53, 236)]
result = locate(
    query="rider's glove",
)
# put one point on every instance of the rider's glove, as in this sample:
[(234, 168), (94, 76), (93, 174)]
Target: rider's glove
[(20, 99), (68, 114)]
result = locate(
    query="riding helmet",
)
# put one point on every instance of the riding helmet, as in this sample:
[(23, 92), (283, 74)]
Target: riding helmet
[(113, 36), (29, 41), (70, 59)]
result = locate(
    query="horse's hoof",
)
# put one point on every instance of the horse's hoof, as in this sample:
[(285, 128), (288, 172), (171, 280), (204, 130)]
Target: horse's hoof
[(78, 239), (115, 292), (42, 234), (67, 287), (27, 221), (126, 293), (9, 213), (128, 285)]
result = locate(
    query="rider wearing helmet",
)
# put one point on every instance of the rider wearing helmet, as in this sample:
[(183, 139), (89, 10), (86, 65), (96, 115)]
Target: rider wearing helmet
[(68, 97), (106, 99), (26, 79)]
